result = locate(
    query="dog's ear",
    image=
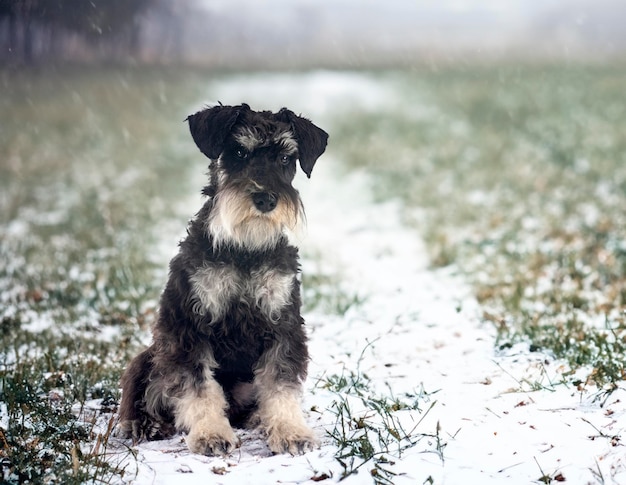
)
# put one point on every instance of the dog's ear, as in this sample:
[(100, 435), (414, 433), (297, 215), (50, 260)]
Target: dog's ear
[(311, 139), (210, 127)]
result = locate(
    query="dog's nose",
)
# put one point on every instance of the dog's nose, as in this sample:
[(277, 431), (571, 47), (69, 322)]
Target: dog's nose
[(264, 201)]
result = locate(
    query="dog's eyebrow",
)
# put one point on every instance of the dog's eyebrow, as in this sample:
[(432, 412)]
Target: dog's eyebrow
[(248, 138), (287, 140)]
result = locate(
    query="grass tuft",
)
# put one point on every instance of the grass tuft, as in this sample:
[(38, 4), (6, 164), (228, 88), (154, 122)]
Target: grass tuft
[(372, 429), (324, 291)]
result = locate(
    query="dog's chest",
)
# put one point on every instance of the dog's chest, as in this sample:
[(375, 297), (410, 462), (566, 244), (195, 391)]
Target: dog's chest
[(217, 287)]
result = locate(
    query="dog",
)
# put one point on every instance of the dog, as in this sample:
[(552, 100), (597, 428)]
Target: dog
[(228, 346)]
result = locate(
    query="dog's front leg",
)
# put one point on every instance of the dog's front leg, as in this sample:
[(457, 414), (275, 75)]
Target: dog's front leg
[(202, 411), (280, 416)]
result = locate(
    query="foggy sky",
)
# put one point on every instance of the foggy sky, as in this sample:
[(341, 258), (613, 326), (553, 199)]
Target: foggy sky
[(265, 32)]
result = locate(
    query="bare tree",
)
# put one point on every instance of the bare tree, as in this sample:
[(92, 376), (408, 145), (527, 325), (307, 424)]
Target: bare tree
[(110, 26)]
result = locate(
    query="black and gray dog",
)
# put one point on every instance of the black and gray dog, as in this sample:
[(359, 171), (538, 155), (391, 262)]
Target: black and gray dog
[(229, 347)]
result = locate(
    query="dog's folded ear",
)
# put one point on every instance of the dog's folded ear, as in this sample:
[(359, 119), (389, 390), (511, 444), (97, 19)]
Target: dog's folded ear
[(311, 139), (210, 127)]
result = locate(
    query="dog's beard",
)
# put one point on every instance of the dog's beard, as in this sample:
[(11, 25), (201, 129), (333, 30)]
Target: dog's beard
[(235, 221)]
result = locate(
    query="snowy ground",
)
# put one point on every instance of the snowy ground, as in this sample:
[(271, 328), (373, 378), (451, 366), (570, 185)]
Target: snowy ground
[(499, 418)]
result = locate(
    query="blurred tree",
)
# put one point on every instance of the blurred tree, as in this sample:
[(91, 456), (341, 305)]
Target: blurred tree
[(38, 26), (8, 18)]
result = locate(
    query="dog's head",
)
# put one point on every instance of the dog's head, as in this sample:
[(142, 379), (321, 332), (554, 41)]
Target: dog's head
[(212, 128), (253, 163)]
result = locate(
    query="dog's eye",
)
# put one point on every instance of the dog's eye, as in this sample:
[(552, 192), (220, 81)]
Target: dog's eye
[(286, 159), (242, 153)]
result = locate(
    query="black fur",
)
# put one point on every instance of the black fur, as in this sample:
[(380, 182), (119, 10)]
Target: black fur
[(236, 339)]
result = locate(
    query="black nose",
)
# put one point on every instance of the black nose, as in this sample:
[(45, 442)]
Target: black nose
[(264, 201)]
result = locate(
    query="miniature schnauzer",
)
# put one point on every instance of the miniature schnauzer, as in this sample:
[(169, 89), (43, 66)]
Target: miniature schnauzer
[(229, 346)]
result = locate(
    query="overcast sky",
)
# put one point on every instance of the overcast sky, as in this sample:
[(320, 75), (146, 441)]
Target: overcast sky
[(506, 7)]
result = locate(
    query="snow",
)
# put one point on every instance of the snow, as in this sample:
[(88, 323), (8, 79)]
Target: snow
[(502, 417)]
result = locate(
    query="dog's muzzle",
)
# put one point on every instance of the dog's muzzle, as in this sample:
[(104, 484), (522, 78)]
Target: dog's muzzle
[(264, 201)]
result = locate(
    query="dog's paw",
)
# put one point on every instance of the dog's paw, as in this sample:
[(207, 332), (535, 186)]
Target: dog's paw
[(144, 429), (126, 429), (208, 440), (296, 441)]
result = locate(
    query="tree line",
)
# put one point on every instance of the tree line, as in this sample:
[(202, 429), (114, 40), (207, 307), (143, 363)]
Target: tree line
[(32, 30)]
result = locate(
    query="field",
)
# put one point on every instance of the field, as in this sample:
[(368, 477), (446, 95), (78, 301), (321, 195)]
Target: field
[(513, 177), (519, 176)]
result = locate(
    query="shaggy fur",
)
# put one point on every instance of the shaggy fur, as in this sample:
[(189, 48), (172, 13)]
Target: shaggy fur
[(229, 347)]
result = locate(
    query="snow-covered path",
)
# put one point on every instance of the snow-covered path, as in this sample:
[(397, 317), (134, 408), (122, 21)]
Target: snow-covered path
[(500, 418)]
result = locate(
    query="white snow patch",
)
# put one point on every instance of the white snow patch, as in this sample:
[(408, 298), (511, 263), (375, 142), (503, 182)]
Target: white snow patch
[(4, 414), (315, 95)]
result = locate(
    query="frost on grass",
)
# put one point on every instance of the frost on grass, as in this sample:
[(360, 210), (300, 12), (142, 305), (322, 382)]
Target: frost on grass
[(519, 177), (373, 429), (78, 214)]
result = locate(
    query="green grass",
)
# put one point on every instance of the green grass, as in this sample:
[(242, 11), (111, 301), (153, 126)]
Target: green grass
[(518, 176), (91, 164), (323, 291), (515, 175)]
